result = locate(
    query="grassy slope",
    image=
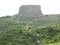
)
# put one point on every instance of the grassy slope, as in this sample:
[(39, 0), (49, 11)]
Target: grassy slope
[(54, 43)]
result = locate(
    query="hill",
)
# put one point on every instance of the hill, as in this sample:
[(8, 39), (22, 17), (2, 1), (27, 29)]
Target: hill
[(20, 29), (30, 9)]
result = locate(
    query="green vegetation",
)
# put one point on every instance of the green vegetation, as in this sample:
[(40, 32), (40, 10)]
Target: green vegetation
[(54, 43), (21, 29)]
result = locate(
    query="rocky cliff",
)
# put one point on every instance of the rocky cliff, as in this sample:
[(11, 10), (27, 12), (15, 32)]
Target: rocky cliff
[(30, 9)]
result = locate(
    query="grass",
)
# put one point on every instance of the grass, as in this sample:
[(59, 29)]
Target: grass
[(54, 43)]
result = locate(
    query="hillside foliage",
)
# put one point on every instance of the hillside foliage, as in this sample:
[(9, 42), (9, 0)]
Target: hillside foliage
[(21, 30)]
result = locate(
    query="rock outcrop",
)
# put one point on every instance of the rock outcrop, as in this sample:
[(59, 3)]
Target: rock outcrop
[(30, 9)]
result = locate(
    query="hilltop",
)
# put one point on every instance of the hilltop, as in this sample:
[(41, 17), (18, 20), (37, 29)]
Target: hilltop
[(30, 9)]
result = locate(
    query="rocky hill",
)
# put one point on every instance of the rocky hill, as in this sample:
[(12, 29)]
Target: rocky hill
[(21, 29), (30, 9)]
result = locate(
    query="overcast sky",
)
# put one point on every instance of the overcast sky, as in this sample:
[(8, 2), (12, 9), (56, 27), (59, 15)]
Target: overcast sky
[(11, 7)]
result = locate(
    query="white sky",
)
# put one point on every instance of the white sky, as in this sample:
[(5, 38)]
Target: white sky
[(11, 7)]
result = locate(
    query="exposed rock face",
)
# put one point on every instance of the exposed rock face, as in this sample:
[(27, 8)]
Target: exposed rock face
[(30, 9)]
